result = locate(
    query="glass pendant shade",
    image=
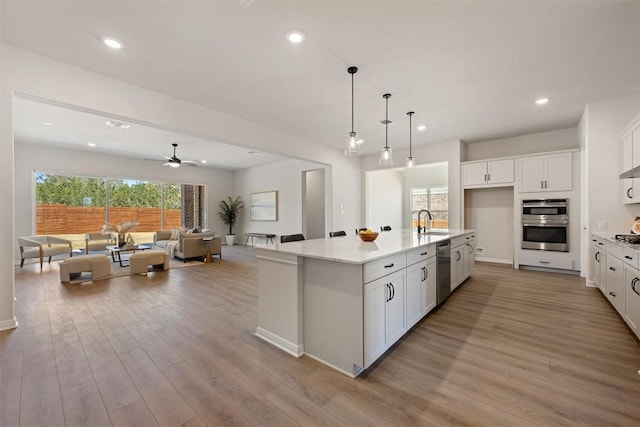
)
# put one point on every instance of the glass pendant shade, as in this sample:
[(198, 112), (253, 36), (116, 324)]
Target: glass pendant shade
[(410, 162), (386, 157), (352, 147)]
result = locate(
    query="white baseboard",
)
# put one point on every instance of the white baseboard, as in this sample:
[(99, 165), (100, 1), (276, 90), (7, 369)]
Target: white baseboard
[(283, 344), (8, 324), (496, 260), (591, 283), (357, 370)]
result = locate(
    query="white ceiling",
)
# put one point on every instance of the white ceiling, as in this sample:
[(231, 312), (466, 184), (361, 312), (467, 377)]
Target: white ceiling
[(470, 70)]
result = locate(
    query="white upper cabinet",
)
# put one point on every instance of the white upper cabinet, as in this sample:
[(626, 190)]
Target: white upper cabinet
[(551, 172), (630, 159), (488, 174)]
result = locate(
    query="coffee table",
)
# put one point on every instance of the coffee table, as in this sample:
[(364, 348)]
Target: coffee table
[(116, 252)]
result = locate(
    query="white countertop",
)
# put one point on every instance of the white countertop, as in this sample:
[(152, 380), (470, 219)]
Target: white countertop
[(611, 237), (350, 249)]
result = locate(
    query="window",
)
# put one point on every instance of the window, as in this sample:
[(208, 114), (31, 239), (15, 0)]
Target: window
[(434, 199), (70, 206)]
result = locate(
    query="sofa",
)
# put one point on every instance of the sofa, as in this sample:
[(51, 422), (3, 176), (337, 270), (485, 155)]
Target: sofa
[(43, 246), (186, 246)]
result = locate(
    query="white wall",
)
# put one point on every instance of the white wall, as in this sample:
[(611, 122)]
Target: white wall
[(384, 189), (284, 177), (490, 212), (523, 144), (35, 157), (433, 153), (26, 73), (605, 120)]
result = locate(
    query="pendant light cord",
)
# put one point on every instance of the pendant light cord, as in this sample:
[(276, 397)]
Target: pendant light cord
[(386, 121), (352, 110), (410, 129)]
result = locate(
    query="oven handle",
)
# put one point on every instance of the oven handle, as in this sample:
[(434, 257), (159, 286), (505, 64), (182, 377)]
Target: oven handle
[(544, 205), (545, 224)]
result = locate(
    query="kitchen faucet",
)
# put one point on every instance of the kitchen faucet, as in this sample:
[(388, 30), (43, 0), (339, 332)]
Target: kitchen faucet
[(425, 226)]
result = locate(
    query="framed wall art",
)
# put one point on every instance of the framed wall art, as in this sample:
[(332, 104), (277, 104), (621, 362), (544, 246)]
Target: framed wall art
[(264, 206)]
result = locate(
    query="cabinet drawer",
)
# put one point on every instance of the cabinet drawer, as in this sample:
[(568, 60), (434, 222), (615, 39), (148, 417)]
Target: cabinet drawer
[(615, 250), (458, 240), (630, 257), (546, 262), (420, 254), (374, 269)]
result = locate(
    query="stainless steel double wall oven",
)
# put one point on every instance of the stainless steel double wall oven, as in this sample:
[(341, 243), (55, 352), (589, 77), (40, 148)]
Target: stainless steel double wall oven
[(545, 224)]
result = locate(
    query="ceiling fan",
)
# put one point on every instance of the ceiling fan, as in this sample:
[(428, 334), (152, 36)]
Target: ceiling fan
[(175, 161)]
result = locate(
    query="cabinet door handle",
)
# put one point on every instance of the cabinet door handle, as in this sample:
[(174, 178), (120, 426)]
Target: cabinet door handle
[(388, 265), (393, 291), (388, 292), (423, 253), (633, 285), (612, 269), (596, 256), (489, 178), (541, 184), (485, 177), (459, 256), (629, 195), (426, 273), (544, 262), (470, 249), (613, 294)]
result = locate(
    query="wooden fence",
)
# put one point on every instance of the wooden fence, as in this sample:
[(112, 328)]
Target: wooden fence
[(62, 219)]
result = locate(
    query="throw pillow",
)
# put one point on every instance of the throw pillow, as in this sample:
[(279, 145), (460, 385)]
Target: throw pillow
[(175, 233)]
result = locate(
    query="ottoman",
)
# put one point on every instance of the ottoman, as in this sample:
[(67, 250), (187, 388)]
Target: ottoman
[(139, 261), (98, 265)]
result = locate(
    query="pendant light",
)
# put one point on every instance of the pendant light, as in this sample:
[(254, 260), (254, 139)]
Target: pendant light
[(353, 143), (386, 156), (410, 159)]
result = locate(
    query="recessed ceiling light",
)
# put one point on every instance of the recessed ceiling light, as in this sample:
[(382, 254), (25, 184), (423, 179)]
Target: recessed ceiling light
[(542, 101), (255, 153), (295, 36), (48, 124), (91, 144), (203, 161), (116, 124), (113, 43), (421, 127)]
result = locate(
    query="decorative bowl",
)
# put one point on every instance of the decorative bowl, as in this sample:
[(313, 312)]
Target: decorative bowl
[(368, 237)]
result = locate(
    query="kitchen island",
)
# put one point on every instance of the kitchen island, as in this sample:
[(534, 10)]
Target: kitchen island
[(343, 301)]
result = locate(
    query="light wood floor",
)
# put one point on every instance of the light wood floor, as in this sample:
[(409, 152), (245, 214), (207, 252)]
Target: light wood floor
[(509, 348)]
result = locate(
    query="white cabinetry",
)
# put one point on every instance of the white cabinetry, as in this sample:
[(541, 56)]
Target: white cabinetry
[(462, 259), (599, 261), (632, 298), (421, 288), (384, 319), (615, 282), (551, 172), (631, 159), (491, 173)]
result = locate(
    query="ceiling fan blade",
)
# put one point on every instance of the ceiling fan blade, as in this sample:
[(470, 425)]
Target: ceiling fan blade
[(155, 160), (167, 157), (190, 161)]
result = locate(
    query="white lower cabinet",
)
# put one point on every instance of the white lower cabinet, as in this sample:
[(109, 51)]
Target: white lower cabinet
[(384, 314), (421, 290), (463, 259), (457, 265), (615, 283), (632, 298), (599, 261)]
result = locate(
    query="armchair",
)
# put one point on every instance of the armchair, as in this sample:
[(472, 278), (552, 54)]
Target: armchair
[(43, 246), (98, 241)]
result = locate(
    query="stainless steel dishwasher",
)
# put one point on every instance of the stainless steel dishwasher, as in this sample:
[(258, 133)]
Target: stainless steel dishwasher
[(443, 270)]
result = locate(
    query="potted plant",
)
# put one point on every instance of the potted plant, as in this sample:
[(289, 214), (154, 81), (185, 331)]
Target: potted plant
[(229, 212)]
